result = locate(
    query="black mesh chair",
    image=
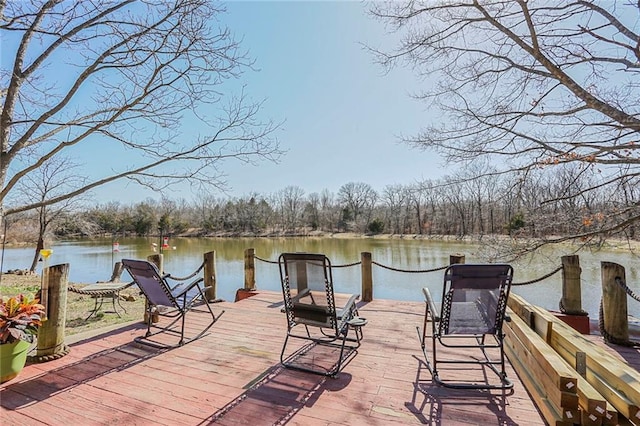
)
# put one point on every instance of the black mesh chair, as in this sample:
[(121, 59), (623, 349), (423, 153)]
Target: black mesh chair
[(312, 315), (168, 301), (471, 314)]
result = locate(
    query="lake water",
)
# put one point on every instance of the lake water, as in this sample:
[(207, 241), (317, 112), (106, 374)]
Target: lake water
[(92, 260)]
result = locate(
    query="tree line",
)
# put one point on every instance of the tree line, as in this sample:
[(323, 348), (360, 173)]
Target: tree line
[(456, 205)]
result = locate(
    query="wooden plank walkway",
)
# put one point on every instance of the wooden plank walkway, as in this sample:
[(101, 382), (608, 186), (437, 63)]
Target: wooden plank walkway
[(232, 377)]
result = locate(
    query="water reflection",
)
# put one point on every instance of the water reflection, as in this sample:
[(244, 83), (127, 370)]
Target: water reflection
[(92, 260)]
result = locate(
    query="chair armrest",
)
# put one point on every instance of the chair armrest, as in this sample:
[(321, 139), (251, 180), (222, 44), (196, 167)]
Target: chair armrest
[(344, 314), (350, 305), (184, 288), (432, 306)]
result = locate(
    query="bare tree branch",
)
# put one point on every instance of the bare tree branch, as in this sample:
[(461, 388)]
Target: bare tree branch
[(130, 72), (531, 86)]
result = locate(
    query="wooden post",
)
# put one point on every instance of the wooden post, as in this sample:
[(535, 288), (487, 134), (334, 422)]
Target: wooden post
[(367, 277), (51, 333), (118, 267), (249, 269), (210, 275), (158, 260), (571, 301), (454, 259), (614, 303)]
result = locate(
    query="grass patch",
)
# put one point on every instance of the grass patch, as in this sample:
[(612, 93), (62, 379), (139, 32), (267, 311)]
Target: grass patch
[(79, 306)]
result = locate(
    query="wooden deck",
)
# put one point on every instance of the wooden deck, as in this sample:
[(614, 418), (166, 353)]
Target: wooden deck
[(232, 377)]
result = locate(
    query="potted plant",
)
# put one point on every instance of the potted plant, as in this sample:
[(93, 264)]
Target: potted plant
[(20, 317)]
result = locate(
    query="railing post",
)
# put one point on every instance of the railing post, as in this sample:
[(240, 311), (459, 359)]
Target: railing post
[(367, 277), (51, 333), (571, 302), (614, 303), (210, 275), (158, 260), (249, 269), (456, 258), (118, 267)]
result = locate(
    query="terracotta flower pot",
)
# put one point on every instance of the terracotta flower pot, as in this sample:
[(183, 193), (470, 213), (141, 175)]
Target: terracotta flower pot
[(13, 357)]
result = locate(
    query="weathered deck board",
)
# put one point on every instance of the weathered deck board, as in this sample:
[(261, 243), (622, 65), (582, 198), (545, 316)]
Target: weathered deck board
[(232, 376)]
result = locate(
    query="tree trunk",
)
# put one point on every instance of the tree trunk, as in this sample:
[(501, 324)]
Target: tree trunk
[(36, 256)]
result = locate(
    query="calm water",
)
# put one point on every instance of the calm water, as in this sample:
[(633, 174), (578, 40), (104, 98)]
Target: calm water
[(91, 261)]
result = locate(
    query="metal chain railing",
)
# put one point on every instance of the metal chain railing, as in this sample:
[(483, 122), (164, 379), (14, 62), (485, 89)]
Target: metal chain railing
[(197, 271), (544, 277), (411, 271)]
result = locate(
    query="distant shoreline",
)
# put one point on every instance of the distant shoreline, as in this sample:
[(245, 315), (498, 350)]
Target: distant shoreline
[(611, 244)]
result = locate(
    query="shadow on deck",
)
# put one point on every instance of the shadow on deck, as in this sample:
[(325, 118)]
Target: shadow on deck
[(233, 376)]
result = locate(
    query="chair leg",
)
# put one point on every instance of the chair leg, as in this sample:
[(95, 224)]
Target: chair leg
[(284, 347), (149, 309), (422, 336), (340, 363), (182, 320)]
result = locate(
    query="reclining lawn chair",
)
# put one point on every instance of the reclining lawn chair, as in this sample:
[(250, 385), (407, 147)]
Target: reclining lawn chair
[(309, 303), (474, 300), (171, 302)]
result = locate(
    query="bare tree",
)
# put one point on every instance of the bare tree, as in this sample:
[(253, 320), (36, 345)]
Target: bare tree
[(329, 212), (54, 177), (290, 201), (312, 211), (126, 74), (360, 198), (530, 85), (395, 199)]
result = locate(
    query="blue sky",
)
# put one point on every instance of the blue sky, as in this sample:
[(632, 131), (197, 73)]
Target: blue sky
[(342, 114)]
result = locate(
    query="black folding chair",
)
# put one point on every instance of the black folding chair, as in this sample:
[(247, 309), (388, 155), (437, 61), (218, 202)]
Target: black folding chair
[(312, 315), (167, 301), (472, 311)]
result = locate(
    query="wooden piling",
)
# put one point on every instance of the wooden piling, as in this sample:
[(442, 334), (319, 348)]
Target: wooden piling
[(158, 260), (614, 303), (249, 269), (571, 301), (118, 268), (210, 275), (51, 333), (367, 277), (456, 258)]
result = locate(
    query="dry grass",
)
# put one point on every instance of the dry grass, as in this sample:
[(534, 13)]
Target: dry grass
[(79, 306)]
